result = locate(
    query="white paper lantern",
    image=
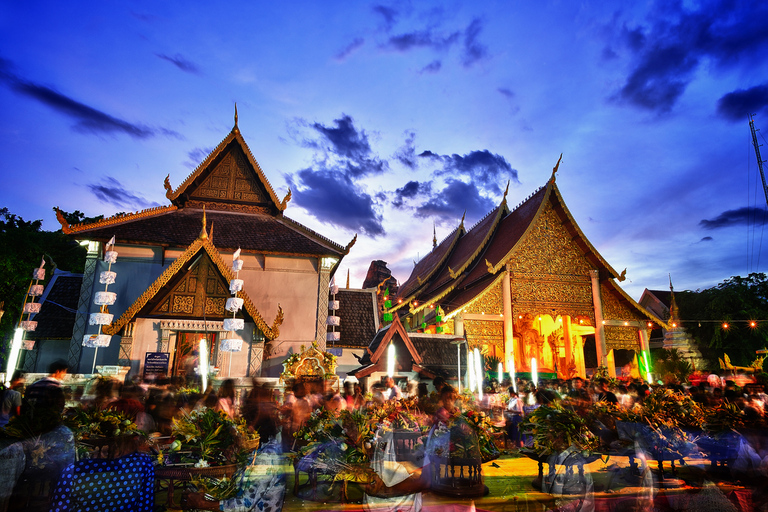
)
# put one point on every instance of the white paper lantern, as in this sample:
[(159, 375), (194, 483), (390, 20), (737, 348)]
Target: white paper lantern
[(333, 320), (234, 304), (110, 256), (333, 305), (32, 307), (107, 277), (333, 336), (234, 324), (96, 340), (29, 325), (104, 298), (100, 319), (334, 289), (237, 265), (231, 345), (235, 285), (36, 290), (38, 273)]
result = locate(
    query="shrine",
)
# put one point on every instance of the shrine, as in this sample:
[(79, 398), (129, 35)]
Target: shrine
[(171, 287), (527, 287)]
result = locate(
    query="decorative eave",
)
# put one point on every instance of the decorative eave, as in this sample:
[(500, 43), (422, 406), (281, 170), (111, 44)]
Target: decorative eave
[(234, 135), (270, 332), (110, 221), (475, 299), (653, 318), (422, 281)]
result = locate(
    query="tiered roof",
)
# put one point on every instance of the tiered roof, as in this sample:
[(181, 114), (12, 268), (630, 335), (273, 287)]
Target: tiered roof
[(477, 258)]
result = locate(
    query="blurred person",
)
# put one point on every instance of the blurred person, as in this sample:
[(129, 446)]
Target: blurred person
[(48, 391), (11, 398), (395, 393), (226, 396)]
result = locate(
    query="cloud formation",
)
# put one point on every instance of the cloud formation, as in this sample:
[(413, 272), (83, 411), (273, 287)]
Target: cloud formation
[(111, 191), (406, 154), (474, 51), (738, 217), (330, 189), (350, 48), (87, 119), (331, 196), (671, 46), (736, 105), (411, 190), (452, 201), (180, 62), (483, 167)]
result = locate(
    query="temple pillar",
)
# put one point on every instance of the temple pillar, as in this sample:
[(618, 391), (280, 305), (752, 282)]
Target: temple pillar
[(609, 358), (509, 321), (599, 327), (324, 277), (567, 344), (83, 307), (644, 351)]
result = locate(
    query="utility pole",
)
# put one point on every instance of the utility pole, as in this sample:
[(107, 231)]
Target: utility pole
[(757, 153)]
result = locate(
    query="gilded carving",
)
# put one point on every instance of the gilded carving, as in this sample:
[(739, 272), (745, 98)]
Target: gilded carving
[(231, 180), (240, 208), (215, 306), (620, 337), (616, 309), (489, 302), (480, 332), (183, 304), (550, 249), (115, 219)]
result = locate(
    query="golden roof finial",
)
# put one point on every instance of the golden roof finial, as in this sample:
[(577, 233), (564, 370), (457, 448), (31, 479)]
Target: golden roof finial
[(203, 232), (235, 114), (347, 279), (507, 189), (461, 224), (434, 235), (554, 170)]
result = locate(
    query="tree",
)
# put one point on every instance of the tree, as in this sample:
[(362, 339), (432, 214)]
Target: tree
[(738, 301), (22, 245)]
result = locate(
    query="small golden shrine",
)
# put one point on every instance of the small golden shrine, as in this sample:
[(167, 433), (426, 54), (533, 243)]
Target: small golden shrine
[(311, 365)]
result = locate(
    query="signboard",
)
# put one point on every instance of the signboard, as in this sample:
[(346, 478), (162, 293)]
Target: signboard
[(156, 364), (109, 370)]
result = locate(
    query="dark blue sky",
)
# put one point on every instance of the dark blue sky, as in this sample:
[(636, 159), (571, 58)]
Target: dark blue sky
[(388, 118)]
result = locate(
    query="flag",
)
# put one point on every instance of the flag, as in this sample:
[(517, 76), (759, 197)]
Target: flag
[(42, 262), (236, 254), (111, 242)]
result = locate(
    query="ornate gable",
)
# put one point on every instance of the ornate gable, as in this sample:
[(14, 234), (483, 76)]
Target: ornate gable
[(230, 179), (201, 292)]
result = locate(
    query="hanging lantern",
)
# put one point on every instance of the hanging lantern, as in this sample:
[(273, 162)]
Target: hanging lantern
[(333, 336), (28, 325), (35, 290), (234, 324), (235, 285), (333, 320), (231, 345), (333, 305), (104, 298), (100, 319), (96, 340), (234, 304), (107, 277), (32, 308)]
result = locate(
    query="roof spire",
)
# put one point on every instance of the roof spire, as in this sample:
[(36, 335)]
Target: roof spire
[(554, 170), (674, 312), (235, 127), (507, 190), (203, 232), (347, 279), (461, 224), (434, 235)]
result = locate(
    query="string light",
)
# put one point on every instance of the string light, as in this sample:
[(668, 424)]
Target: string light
[(725, 325)]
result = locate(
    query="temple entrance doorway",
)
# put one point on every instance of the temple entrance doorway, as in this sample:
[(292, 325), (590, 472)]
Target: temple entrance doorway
[(182, 357)]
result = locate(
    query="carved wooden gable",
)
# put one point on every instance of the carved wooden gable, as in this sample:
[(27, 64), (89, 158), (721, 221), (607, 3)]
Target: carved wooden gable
[(232, 180), (201, 291)]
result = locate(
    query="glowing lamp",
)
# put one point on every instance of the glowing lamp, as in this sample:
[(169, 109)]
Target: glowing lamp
[(391, 360), (501, 372), (479, 373), (512, 372), (534, 372), (13, 357), (203, 363), (471, 370), (725, 325)]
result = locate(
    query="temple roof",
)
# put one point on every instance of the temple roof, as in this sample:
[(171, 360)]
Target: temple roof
[(479, 256), (230, 185), (201, 245), (359, 318)]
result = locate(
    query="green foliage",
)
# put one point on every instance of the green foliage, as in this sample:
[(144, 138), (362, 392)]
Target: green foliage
[(737, 300), (22, 245), (670, 365)]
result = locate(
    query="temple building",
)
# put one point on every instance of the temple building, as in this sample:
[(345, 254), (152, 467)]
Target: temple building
[(525, 284), (175, 271)]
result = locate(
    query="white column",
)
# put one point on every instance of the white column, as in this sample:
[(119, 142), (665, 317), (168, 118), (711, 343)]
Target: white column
[(599, 327), (509, 321), (567, 343), (324, 277), (458, 324)]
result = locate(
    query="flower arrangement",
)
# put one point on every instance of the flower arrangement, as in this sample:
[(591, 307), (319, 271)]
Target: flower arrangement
[(93, 423), (484, 428), (206, 437)]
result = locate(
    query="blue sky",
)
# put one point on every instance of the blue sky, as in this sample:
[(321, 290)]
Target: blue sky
[(386, 118)]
